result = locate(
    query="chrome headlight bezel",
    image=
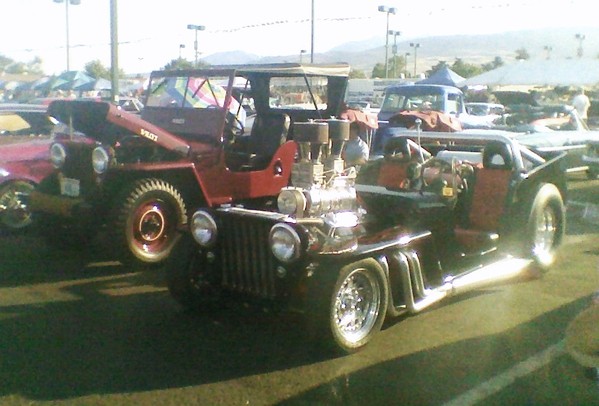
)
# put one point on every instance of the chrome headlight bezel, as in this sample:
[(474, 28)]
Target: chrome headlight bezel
[(58, 155), (291, 201), (203, 228), (100, 160), (285, 243)]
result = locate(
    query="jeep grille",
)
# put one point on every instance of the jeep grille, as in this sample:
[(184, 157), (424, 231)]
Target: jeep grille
[(247, 263)]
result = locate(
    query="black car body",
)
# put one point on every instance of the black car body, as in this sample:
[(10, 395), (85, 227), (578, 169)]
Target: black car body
[(437, 215)]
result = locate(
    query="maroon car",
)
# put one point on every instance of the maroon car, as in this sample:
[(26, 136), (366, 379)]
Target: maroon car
[(26, 132)]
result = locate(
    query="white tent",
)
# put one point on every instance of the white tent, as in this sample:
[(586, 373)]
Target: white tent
[(546, 72)]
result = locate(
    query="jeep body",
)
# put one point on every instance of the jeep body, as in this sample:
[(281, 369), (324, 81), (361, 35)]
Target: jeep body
[(189, 147)]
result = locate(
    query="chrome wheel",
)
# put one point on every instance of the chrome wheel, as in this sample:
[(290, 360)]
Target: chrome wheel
[(545, 231), (357, 305), (14, 213)]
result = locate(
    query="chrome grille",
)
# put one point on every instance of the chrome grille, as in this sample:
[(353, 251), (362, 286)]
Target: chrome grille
[(247, 263)]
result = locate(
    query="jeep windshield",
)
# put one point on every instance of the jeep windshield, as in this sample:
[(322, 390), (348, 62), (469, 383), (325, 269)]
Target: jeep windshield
[(193, 105)]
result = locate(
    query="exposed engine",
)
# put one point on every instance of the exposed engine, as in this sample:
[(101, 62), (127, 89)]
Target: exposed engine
[(322, 185)]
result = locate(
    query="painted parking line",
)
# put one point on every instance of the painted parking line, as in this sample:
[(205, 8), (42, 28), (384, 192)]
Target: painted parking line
[(500, 382)]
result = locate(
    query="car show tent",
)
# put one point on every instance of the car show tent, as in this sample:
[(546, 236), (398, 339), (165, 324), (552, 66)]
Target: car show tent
[(546, 72), (443, 76)]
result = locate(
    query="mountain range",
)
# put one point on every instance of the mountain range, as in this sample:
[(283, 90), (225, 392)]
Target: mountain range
[(559, 43)]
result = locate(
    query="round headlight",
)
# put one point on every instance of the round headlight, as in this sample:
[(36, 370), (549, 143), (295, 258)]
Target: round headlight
[(203, 228), (100, 160), (285, 243), (291, 201), (58, 155)]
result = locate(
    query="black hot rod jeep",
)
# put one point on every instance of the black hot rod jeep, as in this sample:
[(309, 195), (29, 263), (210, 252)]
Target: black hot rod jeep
[(189, 148), (433, 217)]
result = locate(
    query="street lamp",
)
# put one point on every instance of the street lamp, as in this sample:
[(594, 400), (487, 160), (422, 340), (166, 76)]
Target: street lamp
[(302, 52), (394, 50), (580, 38), (66, 6), (196, 28), (181, 47), (406, 62), (388, 10), (415, 45)]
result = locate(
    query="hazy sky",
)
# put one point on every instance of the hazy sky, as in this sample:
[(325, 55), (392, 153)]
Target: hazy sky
[(151, 32)]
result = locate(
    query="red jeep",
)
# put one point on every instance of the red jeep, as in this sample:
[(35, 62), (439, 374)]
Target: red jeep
[(191, 146)]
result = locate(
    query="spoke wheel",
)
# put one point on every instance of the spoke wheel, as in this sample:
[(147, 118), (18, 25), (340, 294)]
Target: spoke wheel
[(346, 309), (546, 230), (545, 226), (14, 213), (357, 305)]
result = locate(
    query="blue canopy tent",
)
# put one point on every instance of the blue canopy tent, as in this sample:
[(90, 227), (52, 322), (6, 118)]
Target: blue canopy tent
[(443, 76)]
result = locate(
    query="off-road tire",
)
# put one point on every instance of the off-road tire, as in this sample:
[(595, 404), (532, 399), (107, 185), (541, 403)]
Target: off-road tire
[(148, 215)]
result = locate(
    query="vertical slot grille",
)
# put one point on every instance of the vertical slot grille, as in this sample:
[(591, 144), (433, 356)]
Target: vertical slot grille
[(246, 260)]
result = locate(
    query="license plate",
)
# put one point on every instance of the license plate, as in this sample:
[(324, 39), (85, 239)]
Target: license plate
[(69, 187)]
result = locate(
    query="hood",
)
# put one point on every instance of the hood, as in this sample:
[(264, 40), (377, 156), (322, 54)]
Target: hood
[(25, 151), (107, 123)]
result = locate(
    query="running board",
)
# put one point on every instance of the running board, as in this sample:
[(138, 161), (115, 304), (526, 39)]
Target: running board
[(418, 298)]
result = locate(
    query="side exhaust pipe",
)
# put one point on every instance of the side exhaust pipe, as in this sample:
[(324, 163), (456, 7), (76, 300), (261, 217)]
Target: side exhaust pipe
[(417, 297)]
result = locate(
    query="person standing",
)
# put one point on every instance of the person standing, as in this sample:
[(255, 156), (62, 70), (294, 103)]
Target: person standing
[(581, 104)]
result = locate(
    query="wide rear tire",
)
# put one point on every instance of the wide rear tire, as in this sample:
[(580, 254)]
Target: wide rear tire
[(545, 226)]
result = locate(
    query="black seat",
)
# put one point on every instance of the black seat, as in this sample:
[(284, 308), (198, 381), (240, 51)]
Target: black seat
[(269, 132), (255, 151)]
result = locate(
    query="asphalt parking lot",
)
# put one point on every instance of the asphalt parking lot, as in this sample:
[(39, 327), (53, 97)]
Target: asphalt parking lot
[(76, 328)]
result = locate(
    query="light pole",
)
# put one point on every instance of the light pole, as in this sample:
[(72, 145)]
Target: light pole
[(388, 10), (580, 38), (114, 52), (406, 63), (66, 7), (196, 28), (415, 45), (302, 52), (394, 50), (181, 47)]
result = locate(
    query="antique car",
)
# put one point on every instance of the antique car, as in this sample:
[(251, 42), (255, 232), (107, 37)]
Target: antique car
[(188, 147), (554, 129), (26, 132), (484, 115), (543, 129), (437, 215)]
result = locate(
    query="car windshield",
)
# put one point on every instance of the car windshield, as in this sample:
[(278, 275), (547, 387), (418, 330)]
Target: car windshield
[(413, 101), (191, 92)]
